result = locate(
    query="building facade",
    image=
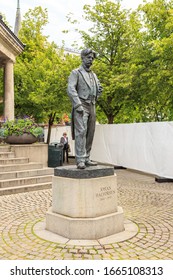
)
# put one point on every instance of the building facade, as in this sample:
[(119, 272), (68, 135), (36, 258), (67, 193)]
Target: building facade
[(10, 48)]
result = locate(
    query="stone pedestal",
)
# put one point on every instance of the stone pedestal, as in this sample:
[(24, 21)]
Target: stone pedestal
[(84, 203)]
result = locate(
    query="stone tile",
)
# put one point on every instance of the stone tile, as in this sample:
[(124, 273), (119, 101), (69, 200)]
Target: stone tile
[(92, 252), (73, 251), (83, 251), (97, 257), (77, 256), (87, 257), (147, 204)]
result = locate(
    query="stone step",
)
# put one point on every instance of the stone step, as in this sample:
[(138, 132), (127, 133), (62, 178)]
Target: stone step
[(4, 155), (19, 167), (26, 188), (18, 175), (4, 148), (25, 181), (26, 173), (14, 161)]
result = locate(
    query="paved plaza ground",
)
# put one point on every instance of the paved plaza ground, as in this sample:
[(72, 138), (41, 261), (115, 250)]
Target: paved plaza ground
[(145, 202)]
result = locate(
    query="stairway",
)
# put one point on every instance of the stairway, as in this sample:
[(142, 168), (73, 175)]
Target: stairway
[(19, 175)]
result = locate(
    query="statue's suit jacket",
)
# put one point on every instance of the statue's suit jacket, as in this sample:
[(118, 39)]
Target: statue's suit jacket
[(79, 86)]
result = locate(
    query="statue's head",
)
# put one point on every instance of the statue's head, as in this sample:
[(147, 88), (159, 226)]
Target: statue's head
[(87, 57), (87, 52)]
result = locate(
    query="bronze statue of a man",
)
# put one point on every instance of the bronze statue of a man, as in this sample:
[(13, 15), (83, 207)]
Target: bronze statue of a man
[(83, 90)]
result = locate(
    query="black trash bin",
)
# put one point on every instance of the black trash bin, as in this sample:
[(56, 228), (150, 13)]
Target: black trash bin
[(55, 154)]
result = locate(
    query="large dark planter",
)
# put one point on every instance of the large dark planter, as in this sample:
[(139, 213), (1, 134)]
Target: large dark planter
[(21, 139)]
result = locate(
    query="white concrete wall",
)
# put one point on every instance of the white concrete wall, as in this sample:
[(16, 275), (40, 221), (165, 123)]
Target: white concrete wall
[(56, 134), (146, 147)]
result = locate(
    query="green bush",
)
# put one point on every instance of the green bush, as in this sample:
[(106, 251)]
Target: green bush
[(21, 126), (1, 132)]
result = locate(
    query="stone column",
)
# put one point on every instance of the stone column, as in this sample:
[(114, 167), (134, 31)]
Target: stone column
[(9, 90)]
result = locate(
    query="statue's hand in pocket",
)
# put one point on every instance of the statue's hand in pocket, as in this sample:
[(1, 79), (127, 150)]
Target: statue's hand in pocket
[(80, 110)]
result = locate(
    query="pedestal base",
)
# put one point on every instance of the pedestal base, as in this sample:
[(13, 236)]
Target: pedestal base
[(85, 228), (84, 203)]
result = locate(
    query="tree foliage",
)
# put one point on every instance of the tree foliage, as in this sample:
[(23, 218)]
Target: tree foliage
[(41, 72), (134, 59), (111, 36), (134, 63), (105, 38), (158, 72)]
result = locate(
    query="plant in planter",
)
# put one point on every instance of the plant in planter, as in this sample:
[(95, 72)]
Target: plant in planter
[(21, 131), (1, 135)]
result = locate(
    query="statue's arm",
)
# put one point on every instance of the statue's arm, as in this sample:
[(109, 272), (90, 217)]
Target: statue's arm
[(72, 89), (99, 87)]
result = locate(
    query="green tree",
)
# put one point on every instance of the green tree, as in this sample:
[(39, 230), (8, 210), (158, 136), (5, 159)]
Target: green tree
[(35, 47), (111, 36), (155, 62), (41, 73), (134, 59)]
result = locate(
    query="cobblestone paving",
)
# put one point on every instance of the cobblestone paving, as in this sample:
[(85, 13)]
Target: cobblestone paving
[(145, 202)]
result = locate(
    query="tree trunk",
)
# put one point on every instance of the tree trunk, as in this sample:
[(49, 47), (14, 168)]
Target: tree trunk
[(51, 121), (110, 119)]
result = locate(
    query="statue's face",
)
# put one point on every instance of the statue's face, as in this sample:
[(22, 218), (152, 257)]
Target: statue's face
[(88, 60)]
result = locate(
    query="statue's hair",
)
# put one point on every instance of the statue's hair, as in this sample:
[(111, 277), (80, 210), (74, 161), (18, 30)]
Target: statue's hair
[(86, 52)]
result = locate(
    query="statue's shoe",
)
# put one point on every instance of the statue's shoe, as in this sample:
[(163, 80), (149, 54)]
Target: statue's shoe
[(90, 163), (81, 165)]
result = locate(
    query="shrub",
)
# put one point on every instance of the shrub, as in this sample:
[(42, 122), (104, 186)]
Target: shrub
[(21, 126)]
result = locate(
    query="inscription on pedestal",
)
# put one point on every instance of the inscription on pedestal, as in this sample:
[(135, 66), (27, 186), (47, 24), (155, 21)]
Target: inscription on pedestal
[(105, 193), (81, 198)]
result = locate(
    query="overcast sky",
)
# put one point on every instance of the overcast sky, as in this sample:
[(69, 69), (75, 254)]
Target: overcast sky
[(57, 12)]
